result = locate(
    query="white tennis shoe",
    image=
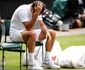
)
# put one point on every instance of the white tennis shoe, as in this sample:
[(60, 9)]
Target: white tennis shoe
[(35, 66), (49, 64)]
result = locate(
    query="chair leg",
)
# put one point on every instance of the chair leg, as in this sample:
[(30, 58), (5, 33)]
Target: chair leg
[(26, 57), (2, 59), (20, 56), (42, 53)]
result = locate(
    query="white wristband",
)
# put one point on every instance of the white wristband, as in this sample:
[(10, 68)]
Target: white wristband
[(79, 16)]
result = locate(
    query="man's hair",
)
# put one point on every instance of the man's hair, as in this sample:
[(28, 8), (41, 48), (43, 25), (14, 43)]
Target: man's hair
[(34, 4)]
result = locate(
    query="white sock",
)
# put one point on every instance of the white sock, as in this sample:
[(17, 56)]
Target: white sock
[(47, 55), (31, 58)]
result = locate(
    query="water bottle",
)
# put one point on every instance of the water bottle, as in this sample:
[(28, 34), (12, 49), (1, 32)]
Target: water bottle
[(60, 23)]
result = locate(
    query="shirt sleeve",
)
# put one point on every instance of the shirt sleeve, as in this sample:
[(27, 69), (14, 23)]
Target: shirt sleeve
[(23, 15)]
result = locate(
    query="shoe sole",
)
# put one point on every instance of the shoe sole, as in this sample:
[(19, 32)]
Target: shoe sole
[(46, 67), (35, 69)]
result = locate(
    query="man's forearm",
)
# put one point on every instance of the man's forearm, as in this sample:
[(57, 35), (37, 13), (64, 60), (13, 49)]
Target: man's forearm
[(44, 29), (42, 26), (32, 22)]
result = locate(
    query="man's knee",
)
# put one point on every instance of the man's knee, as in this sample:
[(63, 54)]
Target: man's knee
[(53, 33), (29, 34), (33, 35), (42, 36)]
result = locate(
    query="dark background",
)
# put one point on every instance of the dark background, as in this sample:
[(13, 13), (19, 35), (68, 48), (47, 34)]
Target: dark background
[(7, 7)]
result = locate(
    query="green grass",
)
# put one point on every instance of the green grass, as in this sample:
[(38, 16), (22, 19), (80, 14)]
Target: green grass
[(67, 41), (12, 58)]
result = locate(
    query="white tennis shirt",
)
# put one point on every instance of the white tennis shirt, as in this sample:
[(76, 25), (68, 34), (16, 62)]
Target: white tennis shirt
[(21, 14)]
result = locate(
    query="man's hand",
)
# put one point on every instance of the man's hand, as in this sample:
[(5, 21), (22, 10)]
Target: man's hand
[(38, 8), (2, 21)]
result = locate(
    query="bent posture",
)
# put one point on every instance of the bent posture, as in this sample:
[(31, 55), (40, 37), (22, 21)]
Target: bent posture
[(22, 22)]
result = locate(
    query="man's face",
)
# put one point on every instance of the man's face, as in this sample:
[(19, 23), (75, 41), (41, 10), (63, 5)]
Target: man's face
[(33, 11), (38, 5)]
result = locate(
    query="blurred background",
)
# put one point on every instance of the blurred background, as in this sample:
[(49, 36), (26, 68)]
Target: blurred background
[(7, 7)]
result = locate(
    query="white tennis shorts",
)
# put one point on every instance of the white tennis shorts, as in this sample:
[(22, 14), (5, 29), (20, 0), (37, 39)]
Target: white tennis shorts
[(17, 36)]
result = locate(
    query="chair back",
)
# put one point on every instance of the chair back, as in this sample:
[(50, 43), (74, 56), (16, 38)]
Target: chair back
[(0, 32), (7, 28)]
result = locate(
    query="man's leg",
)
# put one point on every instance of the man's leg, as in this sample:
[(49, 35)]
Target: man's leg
[(49, 45), (50, 40), (78, 23), (30, 37)]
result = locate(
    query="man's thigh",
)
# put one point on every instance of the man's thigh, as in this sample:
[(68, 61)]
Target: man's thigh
[(26, 34), (18, 35), (40, 35)]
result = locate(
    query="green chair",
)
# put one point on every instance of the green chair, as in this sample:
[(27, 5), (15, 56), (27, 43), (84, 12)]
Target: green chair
[(14, 46), (9, 46)]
